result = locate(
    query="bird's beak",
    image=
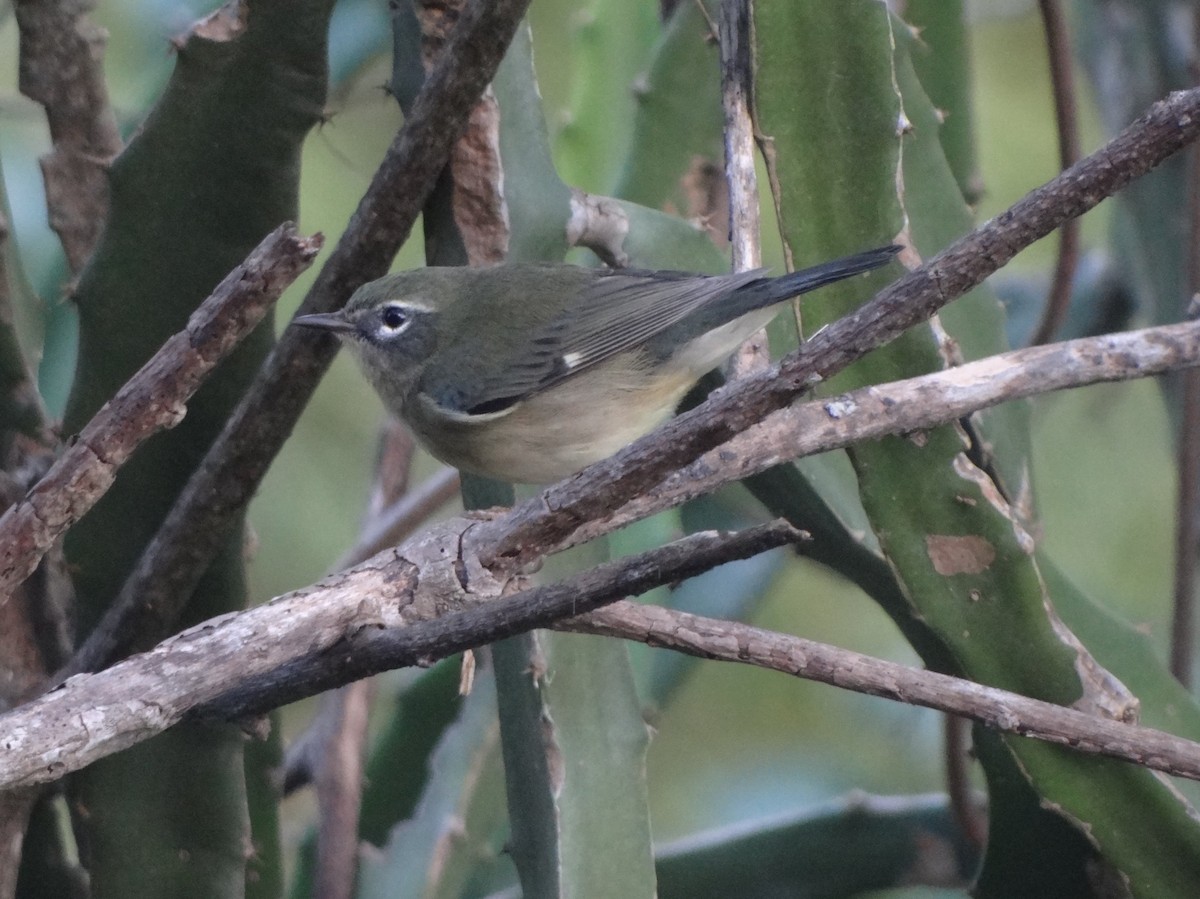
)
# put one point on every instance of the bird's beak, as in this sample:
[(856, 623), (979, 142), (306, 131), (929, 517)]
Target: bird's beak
[(333, 321)]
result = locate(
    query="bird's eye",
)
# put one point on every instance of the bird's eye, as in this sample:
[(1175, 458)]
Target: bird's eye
[(394, 317)]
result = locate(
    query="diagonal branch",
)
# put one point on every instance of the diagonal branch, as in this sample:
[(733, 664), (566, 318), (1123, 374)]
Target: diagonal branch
[(1000, 710), (384, 614), (379, 616), (915, 404), (231, 471), (545, 520), (151, 401)]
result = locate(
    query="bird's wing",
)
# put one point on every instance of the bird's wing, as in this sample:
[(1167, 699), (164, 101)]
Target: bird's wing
[(614, 312)]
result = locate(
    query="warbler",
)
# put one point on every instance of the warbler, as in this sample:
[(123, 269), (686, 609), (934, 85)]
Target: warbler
[(529, 372)]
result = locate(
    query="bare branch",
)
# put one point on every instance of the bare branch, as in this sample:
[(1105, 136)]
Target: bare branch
[(231, 471), (546, 519), (151, 401), (1187, 498), (402, 517), (1058, 50), (383, 614), (379, 616), (1000, 710), (62, 52), (736, 87), (337, 750), (339, 781), (968, 813), (899, 407), (1187, 527)]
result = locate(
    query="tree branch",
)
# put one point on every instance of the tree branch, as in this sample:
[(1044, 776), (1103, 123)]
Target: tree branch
[(1187, 497), (998, 709), (559, 510), (899, 407), (383, 614), (151, 401), (1058, 51)]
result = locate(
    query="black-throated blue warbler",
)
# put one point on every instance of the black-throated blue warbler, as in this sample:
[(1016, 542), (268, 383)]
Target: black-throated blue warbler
[(528, 372)]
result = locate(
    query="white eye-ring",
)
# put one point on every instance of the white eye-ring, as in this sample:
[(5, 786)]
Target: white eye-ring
[(394, 318)]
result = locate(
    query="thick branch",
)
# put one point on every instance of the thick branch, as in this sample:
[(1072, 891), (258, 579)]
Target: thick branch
[(151, 401), (559, 510), (379, 617), (998, 709), (197, 524), (407, 606)]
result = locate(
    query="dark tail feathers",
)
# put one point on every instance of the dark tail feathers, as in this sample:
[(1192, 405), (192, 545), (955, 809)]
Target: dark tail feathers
[(776, 290)]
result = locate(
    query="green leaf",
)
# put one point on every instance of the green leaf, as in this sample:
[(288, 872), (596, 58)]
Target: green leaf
[(942, 60), (943, 503), (609, 45), (434, 854), (677, 121), (840, 848)]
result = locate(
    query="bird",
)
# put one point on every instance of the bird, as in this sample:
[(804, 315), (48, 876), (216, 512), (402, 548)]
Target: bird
[(528, 372)]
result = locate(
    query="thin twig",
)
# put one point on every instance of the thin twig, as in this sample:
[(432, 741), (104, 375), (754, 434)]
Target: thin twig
[(152, 400), (339, 781), (1187, 530), (546, 519), (377, 617), (337, 753), (1062, 79), (967, 813), (402, 517), (155, 592), (61, 67), (1000, 710), (1187, 499)]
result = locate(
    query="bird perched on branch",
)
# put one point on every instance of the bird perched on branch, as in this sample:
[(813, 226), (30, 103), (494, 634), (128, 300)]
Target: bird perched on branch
[(528, 372)]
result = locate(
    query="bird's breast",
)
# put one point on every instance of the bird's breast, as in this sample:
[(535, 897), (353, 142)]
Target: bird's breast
[(554, 433)]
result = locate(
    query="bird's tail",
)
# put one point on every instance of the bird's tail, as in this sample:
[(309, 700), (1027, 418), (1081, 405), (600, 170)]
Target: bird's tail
[(776, 290)]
